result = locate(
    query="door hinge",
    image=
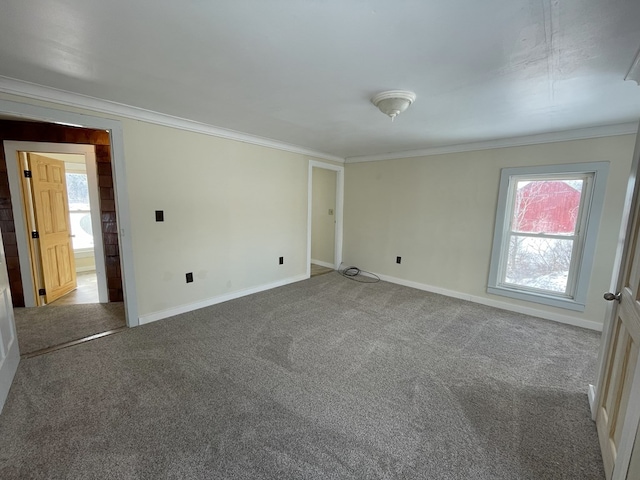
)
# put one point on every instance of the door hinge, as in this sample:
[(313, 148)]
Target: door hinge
[(35, 234), (42, 291), (27, 174)]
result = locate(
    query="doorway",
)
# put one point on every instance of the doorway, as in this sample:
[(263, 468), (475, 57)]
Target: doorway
[(79, 163), (615, 401), (82, 309), (24, 122), (324, 229)]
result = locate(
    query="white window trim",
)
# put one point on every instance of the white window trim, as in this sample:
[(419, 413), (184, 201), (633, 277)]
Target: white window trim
[(578, 301)]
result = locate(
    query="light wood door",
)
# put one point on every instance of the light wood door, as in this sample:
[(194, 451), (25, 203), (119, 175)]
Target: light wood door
[(617, 411), (51, 210), (619, 375), (9, 354)]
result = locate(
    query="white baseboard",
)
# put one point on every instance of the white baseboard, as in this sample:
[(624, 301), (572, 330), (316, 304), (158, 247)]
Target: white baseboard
[(556, 317), (323, 264), (170, 312), (592, 401), (85, 269)]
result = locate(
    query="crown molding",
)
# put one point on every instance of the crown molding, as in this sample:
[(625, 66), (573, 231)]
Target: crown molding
[(63, 97), (562, 136)]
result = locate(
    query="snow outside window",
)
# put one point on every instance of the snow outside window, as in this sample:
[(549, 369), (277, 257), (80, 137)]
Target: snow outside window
[(79, 211), (545, 233)]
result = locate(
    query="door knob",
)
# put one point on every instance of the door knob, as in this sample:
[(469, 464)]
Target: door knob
[(610, 297)]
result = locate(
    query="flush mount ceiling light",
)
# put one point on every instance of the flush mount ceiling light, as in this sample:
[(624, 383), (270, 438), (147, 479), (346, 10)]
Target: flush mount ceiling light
[(393, 102), (634, 71)]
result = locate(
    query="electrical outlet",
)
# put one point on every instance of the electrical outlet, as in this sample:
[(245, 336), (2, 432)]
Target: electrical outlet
[(189, 277), (159, 216), (281, 261), (398, 259)]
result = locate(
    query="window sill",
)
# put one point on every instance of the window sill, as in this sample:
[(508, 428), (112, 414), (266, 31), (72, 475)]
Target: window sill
[(559, 302)]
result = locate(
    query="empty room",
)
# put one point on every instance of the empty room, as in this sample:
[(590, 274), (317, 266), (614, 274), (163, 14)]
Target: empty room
[(320, 239)]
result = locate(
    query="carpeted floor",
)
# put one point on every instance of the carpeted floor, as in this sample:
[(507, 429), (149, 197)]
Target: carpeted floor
[(43, 327), (325, 378)]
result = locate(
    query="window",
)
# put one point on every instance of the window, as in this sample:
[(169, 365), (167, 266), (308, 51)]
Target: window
[(545, 234), (79, 211)]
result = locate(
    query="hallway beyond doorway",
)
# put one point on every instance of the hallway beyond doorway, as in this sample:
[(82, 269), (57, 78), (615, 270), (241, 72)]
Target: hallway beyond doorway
[(86, 292)]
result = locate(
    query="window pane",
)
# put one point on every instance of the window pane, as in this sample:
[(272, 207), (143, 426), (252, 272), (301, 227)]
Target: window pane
[(547, 206), (78, 196), (541, 263), (77, 191), (81, 230)]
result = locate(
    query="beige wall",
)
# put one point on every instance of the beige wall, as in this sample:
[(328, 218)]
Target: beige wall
[(438, 214), (85, 262), (323, 227), (231, 209)]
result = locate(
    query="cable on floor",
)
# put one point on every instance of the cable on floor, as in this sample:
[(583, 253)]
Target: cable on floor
[(358, 275)]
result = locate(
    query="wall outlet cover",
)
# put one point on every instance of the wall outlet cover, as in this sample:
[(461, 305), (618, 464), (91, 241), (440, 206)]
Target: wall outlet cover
[(189, 277), (159, 215), (281, 261), (398, 259)]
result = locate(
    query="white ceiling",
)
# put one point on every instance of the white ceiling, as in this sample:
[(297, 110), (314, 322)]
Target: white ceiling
[(302, 71)]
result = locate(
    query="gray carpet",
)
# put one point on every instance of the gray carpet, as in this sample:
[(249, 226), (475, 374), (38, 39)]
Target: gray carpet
[(325, 378), (43, 327)]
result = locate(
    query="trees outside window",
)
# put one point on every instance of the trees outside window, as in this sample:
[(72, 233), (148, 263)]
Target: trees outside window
[(545, 233)]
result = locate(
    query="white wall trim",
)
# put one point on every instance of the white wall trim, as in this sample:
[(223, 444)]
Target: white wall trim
[(339, 210), (86, 269), (323, 264), (592, 401), (62, 97), (114, 128), (170, 312), (551, 137), (556, 317)]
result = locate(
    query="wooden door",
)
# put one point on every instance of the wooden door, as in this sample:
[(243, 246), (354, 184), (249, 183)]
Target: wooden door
[(9, 353), (620, 370), (51, 210), (617, 411)]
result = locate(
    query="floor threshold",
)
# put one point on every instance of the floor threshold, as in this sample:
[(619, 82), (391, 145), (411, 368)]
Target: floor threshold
[(79, 341)]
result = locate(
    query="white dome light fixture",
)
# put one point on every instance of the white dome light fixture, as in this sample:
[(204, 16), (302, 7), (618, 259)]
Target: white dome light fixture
[(393, 102)]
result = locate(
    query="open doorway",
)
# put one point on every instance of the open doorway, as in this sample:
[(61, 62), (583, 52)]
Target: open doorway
[(82, 243), (325, 217), (77, 164), (58, 226), (323, 226)]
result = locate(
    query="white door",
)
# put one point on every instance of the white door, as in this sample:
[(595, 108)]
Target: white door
[(618, 393), (9, 353)]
